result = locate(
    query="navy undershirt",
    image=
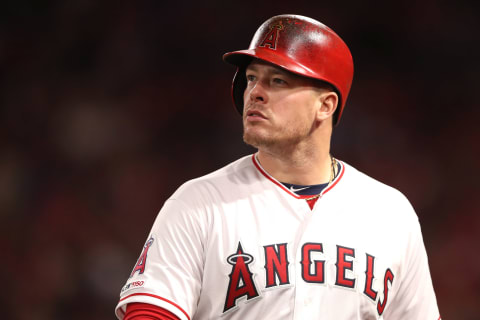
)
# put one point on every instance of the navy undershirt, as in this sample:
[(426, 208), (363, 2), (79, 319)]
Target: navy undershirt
[(308, 190)]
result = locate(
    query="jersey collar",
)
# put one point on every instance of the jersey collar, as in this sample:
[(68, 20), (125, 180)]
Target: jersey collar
[(281, 186)]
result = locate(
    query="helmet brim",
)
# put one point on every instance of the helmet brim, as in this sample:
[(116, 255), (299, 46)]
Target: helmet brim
[(242, 58)]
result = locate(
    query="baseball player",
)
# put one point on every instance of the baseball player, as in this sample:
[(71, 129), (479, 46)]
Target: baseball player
[(289, 232)]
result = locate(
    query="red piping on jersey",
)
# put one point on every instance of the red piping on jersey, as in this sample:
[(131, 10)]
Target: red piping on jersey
[(160, 298), (340, 175)]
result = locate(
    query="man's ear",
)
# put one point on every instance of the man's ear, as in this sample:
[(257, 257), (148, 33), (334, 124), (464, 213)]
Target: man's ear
[(328, 101)]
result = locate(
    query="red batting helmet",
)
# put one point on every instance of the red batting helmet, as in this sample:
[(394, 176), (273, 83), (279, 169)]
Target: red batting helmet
[(302, 46)]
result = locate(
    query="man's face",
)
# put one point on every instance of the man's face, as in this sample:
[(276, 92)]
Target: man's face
[(279, 107)]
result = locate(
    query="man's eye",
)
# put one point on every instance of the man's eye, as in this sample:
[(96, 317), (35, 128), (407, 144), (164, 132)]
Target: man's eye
[(250, 77), (279, 81)]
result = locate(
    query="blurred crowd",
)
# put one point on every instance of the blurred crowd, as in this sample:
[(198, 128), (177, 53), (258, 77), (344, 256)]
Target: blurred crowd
[(108, 106)]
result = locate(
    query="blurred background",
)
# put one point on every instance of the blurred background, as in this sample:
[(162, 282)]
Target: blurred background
[(106, 107)]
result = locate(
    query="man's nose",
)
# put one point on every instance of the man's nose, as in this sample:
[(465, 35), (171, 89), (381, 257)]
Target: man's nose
[(258, 93)]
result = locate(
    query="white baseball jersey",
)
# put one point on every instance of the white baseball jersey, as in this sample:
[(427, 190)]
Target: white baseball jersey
[(237, 244)]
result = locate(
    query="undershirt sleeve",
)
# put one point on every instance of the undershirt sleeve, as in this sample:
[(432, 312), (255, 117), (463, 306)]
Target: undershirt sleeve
[(145, 311)]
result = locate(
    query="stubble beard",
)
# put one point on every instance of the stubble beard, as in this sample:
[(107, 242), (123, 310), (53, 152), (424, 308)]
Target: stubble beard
[(281, 141)]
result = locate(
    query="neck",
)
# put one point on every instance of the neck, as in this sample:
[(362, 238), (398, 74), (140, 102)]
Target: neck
[(305, 164)]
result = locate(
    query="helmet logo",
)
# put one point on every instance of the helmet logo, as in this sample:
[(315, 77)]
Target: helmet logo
[(271, 38)]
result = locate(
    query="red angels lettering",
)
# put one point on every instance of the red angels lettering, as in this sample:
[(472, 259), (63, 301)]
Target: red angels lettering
[(342, 265), (276, 265), (241, 282), (388, 278), (241, 279), (318, 275), (369, 292), (271, 38), (142, 260)]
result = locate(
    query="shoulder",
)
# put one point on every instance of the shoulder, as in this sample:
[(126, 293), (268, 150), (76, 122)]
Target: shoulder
[(368, 186), (361, 188), (196, 200), (221, 183)]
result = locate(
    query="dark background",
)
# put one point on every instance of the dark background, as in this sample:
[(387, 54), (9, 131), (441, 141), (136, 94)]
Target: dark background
[(108, 106)]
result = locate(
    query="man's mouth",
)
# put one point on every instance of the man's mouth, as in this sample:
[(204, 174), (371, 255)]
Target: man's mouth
[(255, 114)]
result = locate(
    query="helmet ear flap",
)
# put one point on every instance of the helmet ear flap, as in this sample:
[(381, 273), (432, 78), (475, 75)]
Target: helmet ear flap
[(238, 88)]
